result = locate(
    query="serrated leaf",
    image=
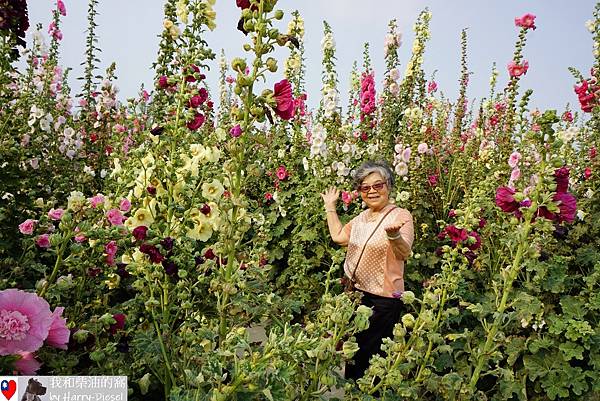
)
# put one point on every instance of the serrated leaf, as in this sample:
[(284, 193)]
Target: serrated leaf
[(571, 350)]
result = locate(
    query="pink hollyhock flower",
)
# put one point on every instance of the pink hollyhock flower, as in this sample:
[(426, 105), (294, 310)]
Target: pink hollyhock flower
[(406, 155), (56, 214), (27, 365), (432, 87), (61, 8), (111, 250), (516, 70), (367, 94), (561, 176), (25, 320), (567, 116), (119, 324), (58, 335), (43, 241), (196, 122), (567, 204), (282, 173), (505, 200), (347, 197), (285, 102), (236, 131), (527, 21), (422, 148), (115, 217), (514, 159), (433, 180), (587, 173), (27, 226), (96, 200), (515, 174), (125, 205)]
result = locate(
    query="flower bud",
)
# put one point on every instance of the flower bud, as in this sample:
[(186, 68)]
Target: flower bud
[(247, 47), (278, 14), (272, 64), (238, 64)]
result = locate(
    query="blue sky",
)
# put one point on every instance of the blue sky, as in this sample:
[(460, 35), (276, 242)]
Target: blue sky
[(128, 30)]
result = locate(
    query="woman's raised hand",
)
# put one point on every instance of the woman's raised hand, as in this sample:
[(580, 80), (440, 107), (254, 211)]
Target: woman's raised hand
[(330, 197)]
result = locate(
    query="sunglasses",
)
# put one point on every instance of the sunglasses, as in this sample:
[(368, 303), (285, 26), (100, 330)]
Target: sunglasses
[(366, 188)]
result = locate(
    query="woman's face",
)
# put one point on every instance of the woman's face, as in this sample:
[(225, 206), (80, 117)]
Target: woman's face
[(375, 199)]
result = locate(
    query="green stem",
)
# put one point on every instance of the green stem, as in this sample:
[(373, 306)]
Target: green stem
[(59, 259), (430, 345)]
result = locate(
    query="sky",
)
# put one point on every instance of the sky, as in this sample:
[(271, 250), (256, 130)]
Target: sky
[(128, 35)]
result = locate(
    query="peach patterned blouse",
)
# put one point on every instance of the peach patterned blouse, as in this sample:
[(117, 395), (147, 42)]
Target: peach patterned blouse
[(380, 272)]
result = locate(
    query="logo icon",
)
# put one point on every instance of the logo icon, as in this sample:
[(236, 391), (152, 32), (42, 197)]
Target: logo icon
[(8, 388)]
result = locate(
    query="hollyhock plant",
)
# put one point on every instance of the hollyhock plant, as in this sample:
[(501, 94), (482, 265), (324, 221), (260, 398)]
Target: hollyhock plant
[(115, 217), (561, 176), (60, 6), (284, 99), (196, 122), (125, 205), (25, 321), (96, 200), (527, 21), (27, 226), (516, 70), (367, 94)]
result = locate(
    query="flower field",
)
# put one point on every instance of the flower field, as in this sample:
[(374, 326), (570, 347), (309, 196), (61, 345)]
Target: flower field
[(151, 237)]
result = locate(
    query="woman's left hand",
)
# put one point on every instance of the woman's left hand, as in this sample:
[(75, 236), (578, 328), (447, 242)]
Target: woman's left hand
[(393, 230)]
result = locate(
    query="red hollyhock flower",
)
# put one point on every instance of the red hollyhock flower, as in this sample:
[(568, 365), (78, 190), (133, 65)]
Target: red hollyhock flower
[(505, 200), (567, 205), (477, 243), (152, 252), (285, 101), (587, 173), (282, 173), (243, 4), (196, 122), (163, 82), (119, 324), (456, 234), (139, 233), (561, 176)]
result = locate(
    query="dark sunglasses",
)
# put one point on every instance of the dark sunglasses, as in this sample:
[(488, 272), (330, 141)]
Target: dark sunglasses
[(366, 188)]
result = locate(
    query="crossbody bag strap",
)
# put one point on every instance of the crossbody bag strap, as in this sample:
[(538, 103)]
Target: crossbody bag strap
[(367, 241)]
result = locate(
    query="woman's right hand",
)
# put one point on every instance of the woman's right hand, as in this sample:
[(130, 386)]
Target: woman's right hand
[(330, 197)]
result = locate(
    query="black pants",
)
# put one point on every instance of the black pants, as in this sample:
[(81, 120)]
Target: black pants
[(386, 313)]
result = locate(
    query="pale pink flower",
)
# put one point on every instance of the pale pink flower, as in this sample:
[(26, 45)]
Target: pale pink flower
[(56, 214), (125, 205), (115, 217), (58, 335), (422, 148), (96, 200), (43, 241), (514, 159), (27, 226), (27, 365), (515, 174), (406, 155), (25, 321)]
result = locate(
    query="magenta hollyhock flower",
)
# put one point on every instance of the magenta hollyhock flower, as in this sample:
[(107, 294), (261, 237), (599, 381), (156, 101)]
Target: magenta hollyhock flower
[(433, 180), (196, 122), (27, 226), (56, 214), (282, 173), (27, 365), (163, 82), (505, 200), (152, 252), (587, 173), (125, 205), (567, 204), (58, 335), (115, 217), (139, 233), (432, 87), (567, 116), (516, 70), (285, 101), (196, 101), (43, 241), (205, 209), (593, 152), (456, 234), (561, 176), (347, 197), (111, 248), (477, 244), (25, 320), (527, 21), (119, 324), (60, 6), (96, 200), (236, 131), (545, 213)]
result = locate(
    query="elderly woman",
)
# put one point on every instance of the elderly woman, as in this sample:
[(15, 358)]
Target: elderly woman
[(379, 241)]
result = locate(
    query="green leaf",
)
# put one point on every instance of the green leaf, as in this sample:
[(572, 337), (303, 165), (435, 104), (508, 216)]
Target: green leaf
[(571, 350), (555, 387), (572, 307), (515, 346)]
